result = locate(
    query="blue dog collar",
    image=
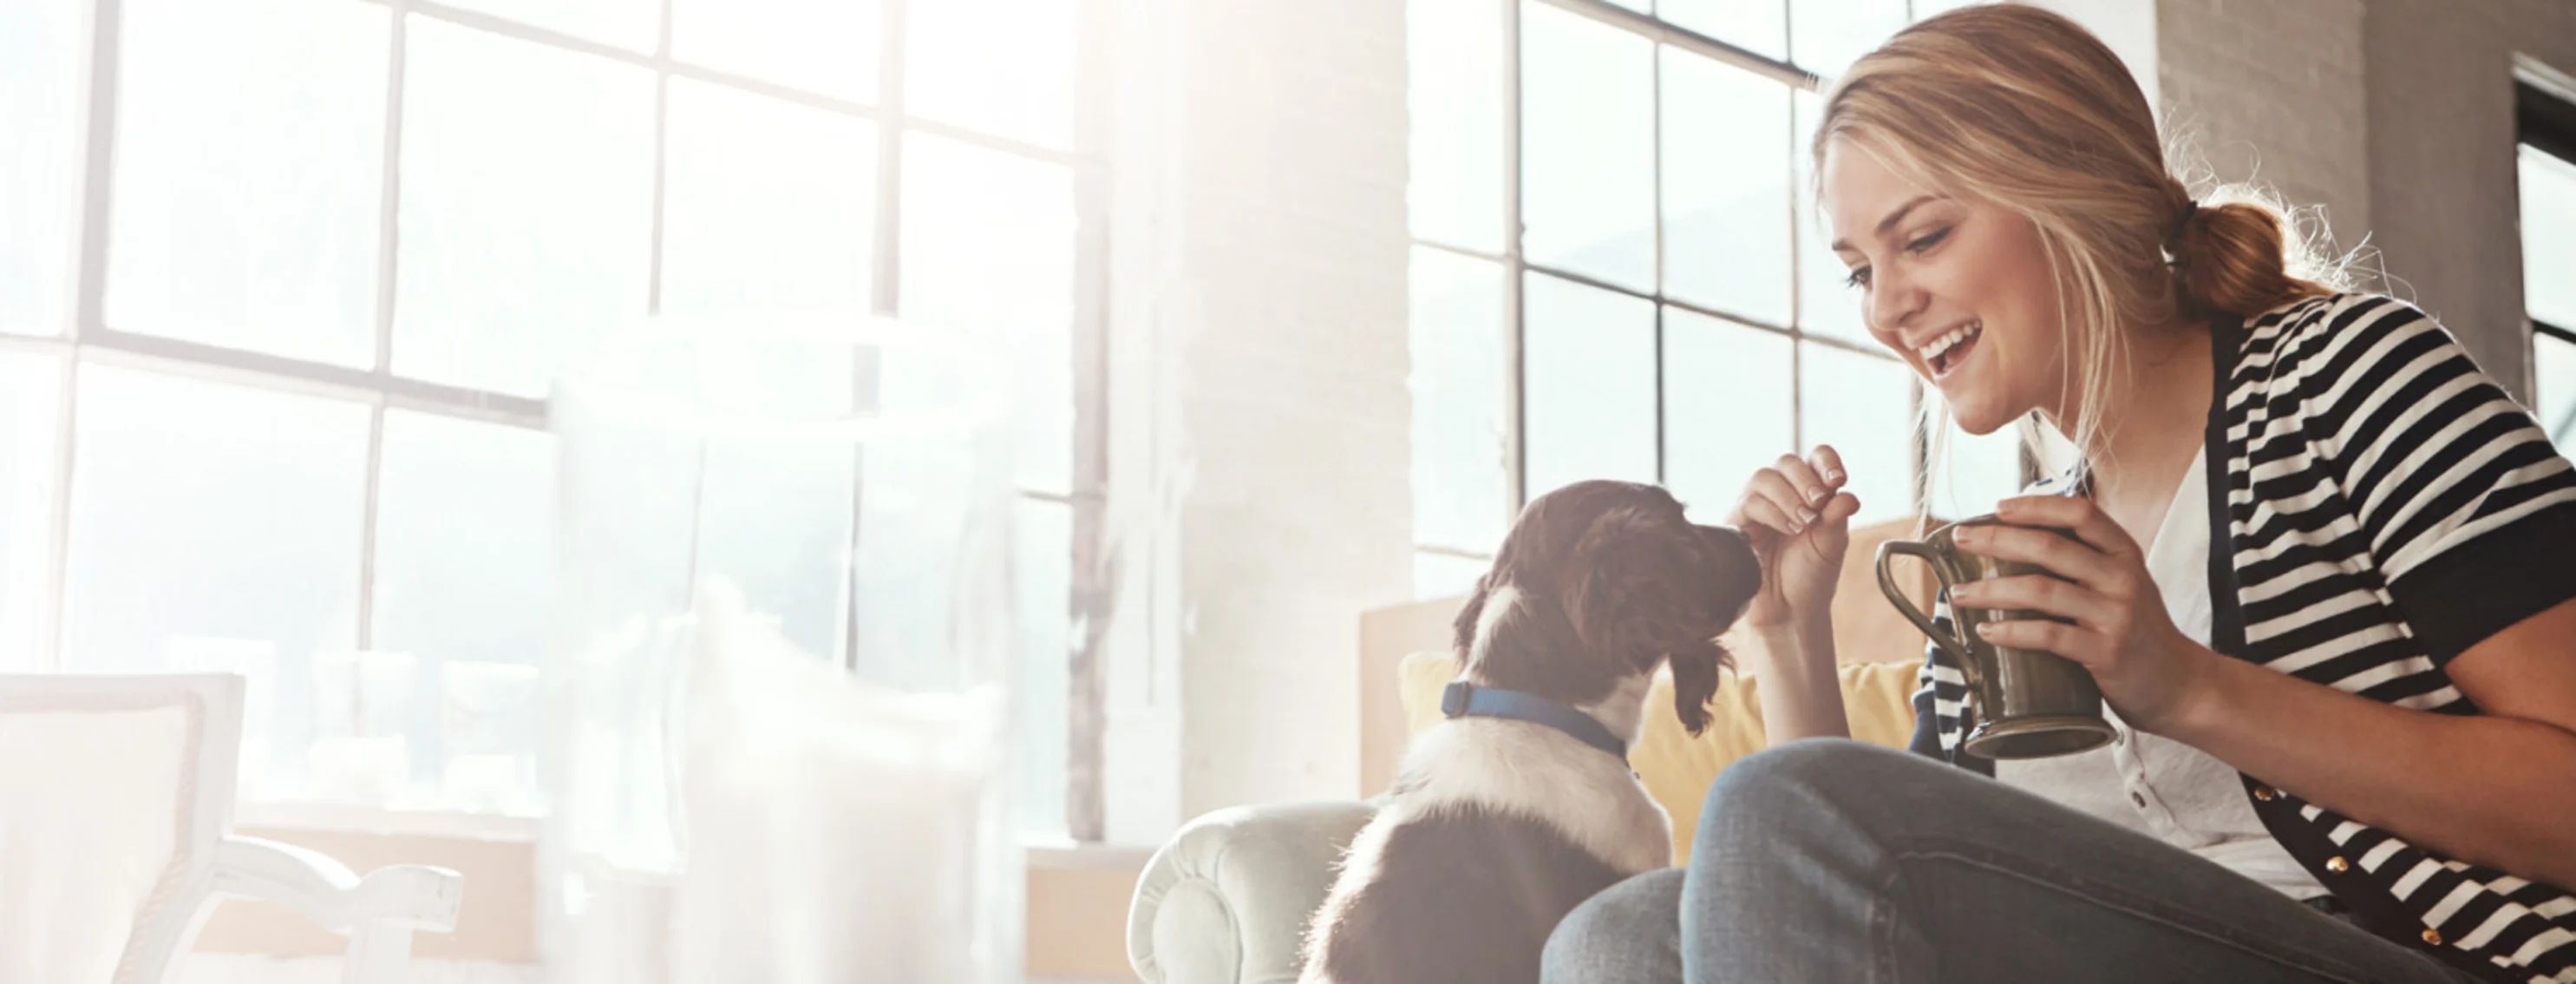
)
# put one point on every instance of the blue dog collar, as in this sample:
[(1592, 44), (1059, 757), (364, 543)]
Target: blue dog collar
[(1463, 699)]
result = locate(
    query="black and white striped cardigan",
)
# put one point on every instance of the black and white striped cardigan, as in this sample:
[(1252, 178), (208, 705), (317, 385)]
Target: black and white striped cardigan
[(2386, 506)]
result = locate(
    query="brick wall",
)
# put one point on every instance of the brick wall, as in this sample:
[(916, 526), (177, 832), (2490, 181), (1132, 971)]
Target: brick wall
[(2397, 115), (2442, 156), (1260, 447), (2271, 91)]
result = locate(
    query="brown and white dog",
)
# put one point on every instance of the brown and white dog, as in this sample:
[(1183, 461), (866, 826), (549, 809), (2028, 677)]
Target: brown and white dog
[(1521, 805)]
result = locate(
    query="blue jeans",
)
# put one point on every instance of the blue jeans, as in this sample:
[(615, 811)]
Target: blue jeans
[(1835, 861)]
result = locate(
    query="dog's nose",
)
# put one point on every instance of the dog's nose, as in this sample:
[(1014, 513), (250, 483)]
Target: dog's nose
[(1733, 552)]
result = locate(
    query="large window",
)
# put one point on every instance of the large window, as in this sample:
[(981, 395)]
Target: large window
[(282, 283), (1618, 273), (2547, 168)]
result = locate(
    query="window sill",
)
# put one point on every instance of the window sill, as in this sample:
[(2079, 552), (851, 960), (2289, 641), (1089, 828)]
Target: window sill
[(1065, 855), (1077, 893), (349, 818), (1050, 853)]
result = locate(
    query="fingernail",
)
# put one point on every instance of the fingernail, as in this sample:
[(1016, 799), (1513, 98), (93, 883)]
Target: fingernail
[(1815, 496), (1964, 593), (1985, 630), (1968, 536), (1797, 527), (1833, 476), (1806, 515)]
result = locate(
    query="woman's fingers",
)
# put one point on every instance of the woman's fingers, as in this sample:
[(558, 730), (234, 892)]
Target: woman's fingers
[(1808, 486), (1828, 464), (2071, 641), (1765, 511), (1772, 503), (2059, 554), (2037, 593), (1841, 508), (1796, 493), (2080, 517)]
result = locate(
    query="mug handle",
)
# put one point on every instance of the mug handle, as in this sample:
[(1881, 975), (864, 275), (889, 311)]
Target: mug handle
[(1905, 606)]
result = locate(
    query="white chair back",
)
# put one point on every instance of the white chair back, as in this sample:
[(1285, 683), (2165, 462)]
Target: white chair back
[(114, 793)]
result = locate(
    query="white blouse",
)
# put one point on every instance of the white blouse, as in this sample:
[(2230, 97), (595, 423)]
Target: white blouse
[(2152, 784)]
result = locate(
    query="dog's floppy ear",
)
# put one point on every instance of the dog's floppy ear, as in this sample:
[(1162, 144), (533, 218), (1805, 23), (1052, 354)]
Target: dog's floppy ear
[(1493, 619), (1695, 671), (1462, 630), (1636, 600), (1640, 602)]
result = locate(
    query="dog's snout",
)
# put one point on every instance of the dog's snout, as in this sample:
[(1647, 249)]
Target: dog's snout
[(1737, 567), (1733, 552)]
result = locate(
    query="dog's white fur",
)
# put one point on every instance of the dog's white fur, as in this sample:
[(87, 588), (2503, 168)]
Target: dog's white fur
[(1539, 772), (1517, 767), (1500, 603)]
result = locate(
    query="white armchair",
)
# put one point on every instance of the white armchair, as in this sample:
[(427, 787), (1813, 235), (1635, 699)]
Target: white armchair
[(116, 798)]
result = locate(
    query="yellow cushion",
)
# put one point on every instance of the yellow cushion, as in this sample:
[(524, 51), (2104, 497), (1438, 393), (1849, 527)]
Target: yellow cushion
[(1676, 767)]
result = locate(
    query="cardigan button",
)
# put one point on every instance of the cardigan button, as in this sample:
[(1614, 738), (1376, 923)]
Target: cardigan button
[(2338, 865), (2266, 793), (2433, 937)]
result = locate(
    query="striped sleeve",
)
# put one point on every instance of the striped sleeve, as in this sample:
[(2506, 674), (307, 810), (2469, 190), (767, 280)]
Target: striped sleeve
[(1927, 726), (2468, 510), (1938, 693)]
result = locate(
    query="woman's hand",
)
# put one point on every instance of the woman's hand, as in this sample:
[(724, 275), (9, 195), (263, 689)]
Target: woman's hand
[(1798, 520), (2148, 670)]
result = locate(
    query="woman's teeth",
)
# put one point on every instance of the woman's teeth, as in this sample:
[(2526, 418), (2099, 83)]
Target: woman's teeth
[(1935, 351)]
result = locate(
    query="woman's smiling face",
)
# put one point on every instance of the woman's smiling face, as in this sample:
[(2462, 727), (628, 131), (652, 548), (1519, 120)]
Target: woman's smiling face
[(1960, 289)]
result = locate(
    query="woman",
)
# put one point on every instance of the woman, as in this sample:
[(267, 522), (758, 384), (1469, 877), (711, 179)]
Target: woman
[(2320, 565)]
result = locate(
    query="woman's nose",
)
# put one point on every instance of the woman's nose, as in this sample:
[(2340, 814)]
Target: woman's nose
[(1893, 301)]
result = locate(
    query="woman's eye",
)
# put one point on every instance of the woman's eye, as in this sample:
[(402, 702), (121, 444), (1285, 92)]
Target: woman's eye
[(1929, 241), (1859, 278)]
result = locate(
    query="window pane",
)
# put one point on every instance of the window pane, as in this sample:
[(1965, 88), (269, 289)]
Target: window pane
[(1863, 406), (988, 242), (216, 528), (1758, 26), (775, 517), (629, 24), (1826, 36), (1457, 97), (1728, 409), (249, 148), (1045, 590), (916, 576), (1438, 575), (2549, 237), (1588, 368), (2554, 371), (768, 205), (827, 46), (1587, 146), (1969, 474), (464, 558), (527, 206), (1827, 303), (43, 51), (1003, 67), (1726, 188), (30, 417), (1461, 441)]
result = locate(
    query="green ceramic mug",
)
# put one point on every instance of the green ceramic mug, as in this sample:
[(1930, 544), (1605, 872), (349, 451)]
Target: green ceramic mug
[(2024, 703)]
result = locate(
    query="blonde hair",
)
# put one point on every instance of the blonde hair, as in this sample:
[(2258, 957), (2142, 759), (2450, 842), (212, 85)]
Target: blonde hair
[(2024, 109)]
